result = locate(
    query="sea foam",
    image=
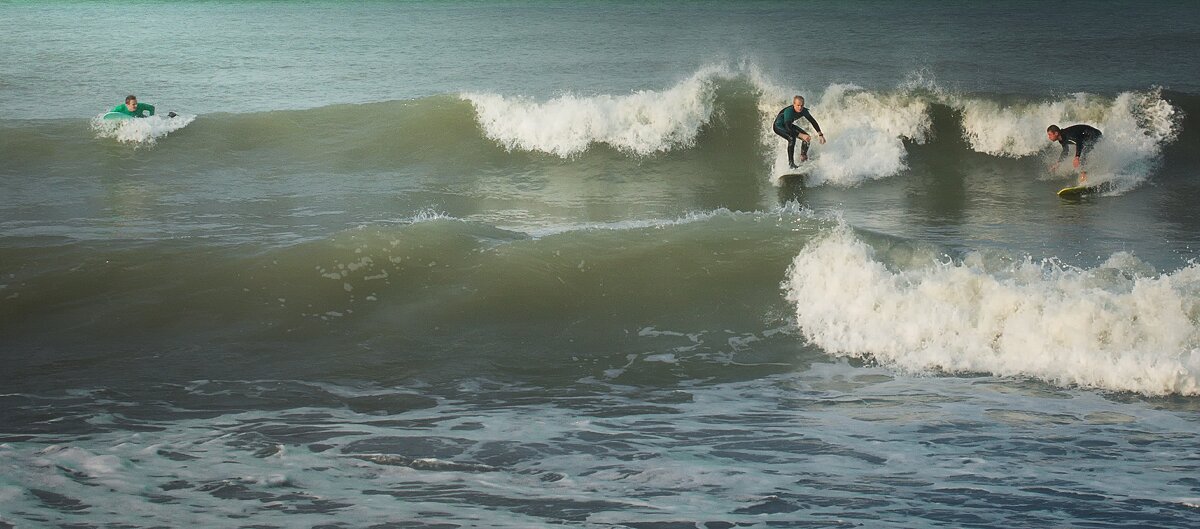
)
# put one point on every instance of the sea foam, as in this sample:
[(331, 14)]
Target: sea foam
[(641, 123), (1118, 326), (140, 130), (1136, 125), (864, 132)]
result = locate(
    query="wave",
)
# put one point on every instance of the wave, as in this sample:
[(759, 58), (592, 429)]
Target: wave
[(145, 131), (427, 285), (1119, 326), (867, 131), (433, 288), (870, 127), (719, 113), (1136, 126), (991, 127), (641, 123)]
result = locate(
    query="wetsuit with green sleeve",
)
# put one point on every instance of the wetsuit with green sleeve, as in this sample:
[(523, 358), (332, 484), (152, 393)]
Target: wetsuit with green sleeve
[(1083, 136), (142, 108), (785, 127)]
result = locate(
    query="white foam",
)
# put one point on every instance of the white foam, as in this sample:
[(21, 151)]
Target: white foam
[(430, 215), (643, 122), (688, 218), (1135, 125), (864, 132), (865, 129), (1111, 327), (140, 130)]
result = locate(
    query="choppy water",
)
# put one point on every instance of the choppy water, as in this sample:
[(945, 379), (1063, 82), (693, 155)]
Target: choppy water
[(542, 270)]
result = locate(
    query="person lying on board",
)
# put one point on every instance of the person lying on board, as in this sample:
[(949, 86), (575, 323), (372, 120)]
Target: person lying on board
[(1084, 137), (134, 109), (785, 127)]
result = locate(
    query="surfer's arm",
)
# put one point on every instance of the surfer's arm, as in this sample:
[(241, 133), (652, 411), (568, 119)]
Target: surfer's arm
[(820, 135), (1065, 151), (807, 115), (147, 107), (779, 120)]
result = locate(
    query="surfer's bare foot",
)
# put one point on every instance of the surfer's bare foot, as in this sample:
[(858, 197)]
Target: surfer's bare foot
[(1082, 178), (803, 158)]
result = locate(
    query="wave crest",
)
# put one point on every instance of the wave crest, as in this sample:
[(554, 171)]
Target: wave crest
[(1115, 327), (641, 123), (1136, 126), (865, 133), (1020, 129), (144, 131)]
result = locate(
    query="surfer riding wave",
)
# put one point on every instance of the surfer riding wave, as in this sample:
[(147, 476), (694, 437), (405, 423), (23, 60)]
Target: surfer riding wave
[(1085, 138), (785, 127)]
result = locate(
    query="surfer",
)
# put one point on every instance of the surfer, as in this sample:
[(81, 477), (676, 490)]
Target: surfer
[(1083, 136), (785, 127), (134, 109)]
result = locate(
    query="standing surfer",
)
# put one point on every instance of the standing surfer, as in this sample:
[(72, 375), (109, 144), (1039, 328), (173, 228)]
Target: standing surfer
[(1083, 136), (785, 127)]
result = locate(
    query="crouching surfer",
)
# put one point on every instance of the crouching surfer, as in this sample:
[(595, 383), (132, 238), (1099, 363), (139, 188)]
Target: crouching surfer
[(785, 127), (1084, 137)]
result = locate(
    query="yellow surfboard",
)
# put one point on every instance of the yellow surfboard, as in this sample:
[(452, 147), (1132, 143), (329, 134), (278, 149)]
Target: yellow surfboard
[(1081, 190)]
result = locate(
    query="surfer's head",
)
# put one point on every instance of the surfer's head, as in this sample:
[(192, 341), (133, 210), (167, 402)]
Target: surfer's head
[(131, 102), (1052, 132), (798, 103)]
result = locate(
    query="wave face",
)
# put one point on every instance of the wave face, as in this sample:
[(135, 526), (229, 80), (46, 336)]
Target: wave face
[(423, 296), (1119, 326)]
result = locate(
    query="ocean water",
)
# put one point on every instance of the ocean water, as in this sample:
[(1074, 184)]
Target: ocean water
[(535, 264)]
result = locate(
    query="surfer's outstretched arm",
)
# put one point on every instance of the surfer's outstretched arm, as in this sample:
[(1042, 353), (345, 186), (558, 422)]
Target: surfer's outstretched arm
[(808, 115)]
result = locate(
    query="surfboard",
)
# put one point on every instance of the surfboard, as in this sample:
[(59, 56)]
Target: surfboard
[(116, 115), (792, 178), (1079, 191)]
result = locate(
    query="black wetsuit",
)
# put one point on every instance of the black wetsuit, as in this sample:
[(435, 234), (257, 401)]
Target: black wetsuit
[(785, 126), (1083, 136)]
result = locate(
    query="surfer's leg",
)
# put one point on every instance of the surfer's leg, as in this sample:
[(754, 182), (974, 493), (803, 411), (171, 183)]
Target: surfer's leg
[(803, 144), (791, 139), (1084, 150)]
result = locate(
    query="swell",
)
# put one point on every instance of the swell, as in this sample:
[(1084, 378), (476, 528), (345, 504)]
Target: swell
[(651, 302), (434, 295)]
